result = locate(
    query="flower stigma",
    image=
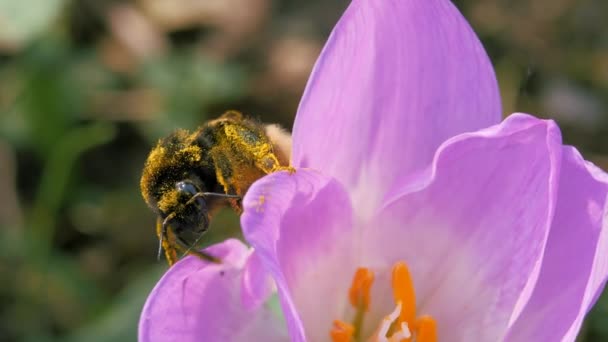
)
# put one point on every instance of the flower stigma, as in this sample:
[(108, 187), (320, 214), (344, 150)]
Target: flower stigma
[(401, 324)]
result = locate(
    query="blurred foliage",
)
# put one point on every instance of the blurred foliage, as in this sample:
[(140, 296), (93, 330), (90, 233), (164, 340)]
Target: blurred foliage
[(88, 86)]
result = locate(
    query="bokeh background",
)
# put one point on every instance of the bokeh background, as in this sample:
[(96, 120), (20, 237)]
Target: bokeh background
[(88, 86)]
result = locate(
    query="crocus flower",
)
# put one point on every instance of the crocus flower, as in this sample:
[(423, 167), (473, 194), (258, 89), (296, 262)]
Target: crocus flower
[(413, 212)]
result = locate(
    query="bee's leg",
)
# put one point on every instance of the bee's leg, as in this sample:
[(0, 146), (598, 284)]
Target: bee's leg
[(277, 168), (223, 168), (205, 256), (270, 164), (165, 237), (289, 169), (224, 172), (236, 205), (183, 247)]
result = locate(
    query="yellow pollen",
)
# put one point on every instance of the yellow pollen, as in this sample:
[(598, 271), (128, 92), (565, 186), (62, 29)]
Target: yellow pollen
[(401, 325), (260, 204)]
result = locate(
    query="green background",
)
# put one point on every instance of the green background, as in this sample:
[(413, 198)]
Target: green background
[(87, 86)]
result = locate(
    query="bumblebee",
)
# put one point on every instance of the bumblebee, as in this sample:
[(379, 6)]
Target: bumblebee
[(189, 175)]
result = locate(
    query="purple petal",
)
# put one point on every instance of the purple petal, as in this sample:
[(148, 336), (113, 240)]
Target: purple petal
[(394, 81), (257, 283), (296, 222), (475, 227), (574, 267), (199, 301)]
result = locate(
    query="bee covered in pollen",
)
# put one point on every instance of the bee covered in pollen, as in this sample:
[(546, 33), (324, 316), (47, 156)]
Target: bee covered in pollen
[(189, 175)]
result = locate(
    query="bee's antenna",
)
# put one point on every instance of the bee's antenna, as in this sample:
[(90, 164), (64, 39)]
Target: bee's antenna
[(213, 194), (219, 194), (210, 194)]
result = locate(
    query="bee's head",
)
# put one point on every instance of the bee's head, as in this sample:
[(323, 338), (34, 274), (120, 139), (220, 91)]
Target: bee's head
[(185, 210), (189, 214)]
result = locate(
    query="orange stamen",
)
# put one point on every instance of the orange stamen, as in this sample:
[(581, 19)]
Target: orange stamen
[(342, 332), (401, 325), (359, 293), (403, 291), (427, 329)]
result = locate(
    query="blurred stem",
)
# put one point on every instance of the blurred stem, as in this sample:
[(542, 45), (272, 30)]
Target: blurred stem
[(54, 180)]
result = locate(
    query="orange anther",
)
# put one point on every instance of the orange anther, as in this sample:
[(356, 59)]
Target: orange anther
[(359, 293), (403, 291), (400, 325), (427, 329), (342, 332)]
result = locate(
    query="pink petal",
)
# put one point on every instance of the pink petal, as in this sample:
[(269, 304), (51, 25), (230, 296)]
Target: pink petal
[(473, 229), (296, 223), (575, 264), (199, 301), (257, 283), (394, 81)]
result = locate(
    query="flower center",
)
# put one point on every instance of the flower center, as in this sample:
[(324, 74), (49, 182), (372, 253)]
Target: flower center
[(401, 324)]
